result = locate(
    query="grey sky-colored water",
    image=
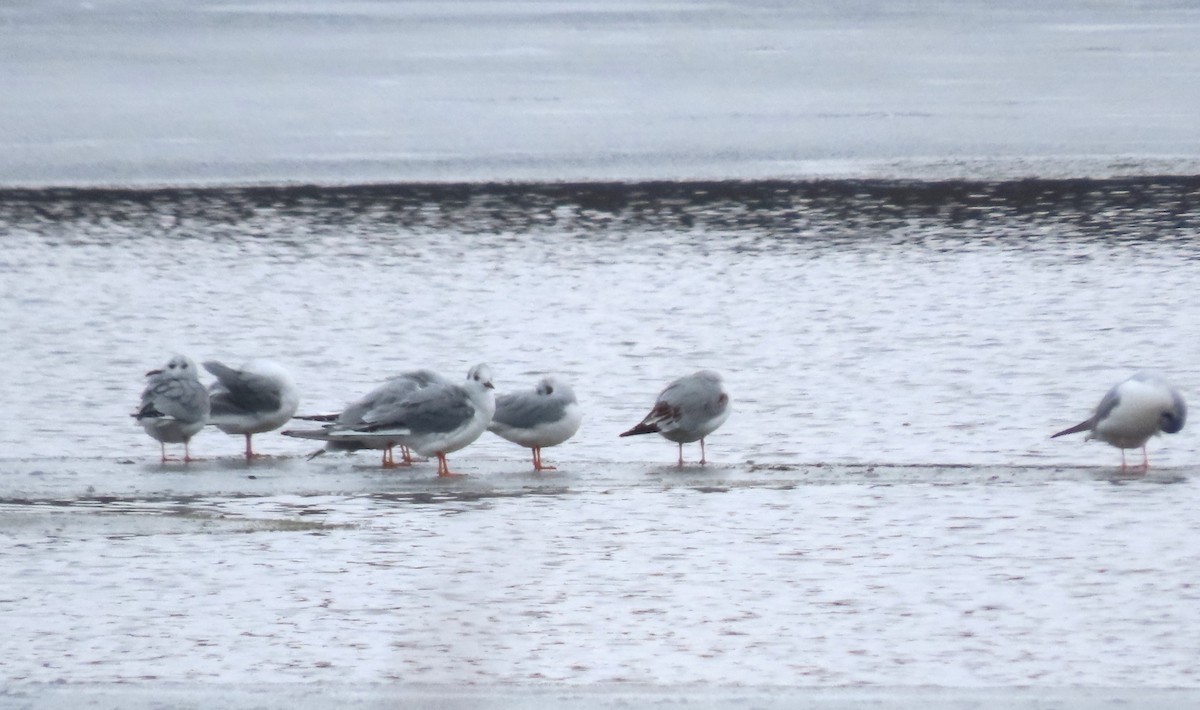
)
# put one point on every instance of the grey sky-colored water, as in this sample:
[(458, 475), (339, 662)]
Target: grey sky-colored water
[(884, 511), (312, 91), (957, 325), (884, 507)]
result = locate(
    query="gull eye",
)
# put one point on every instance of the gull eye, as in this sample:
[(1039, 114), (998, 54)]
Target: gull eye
[(549, 389)]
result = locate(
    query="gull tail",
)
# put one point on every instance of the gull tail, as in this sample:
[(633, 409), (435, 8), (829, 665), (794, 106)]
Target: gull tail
[(1081, 426), (149, 411), (318, 434), (643, 428), (317, 417)]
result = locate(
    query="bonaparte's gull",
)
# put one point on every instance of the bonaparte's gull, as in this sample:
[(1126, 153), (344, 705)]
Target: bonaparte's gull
[(433, 421), (689, 409), (174, 405), (257, 398), (372, 406), (1133, 411), (548, 415)]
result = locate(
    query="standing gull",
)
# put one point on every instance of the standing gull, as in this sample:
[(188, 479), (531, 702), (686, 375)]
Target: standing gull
[(1133, 411), (258, 398), (433, 421), (174, 405), (689, 409), (548, 415), (370, 407)]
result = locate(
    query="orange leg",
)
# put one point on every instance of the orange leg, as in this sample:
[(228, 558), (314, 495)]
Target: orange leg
[(406, 458), (444, 468), (537, 461)]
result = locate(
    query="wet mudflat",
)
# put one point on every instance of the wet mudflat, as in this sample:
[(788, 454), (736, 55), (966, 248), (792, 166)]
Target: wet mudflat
[(604, 575)]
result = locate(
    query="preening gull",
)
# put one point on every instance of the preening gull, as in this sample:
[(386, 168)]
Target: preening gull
[(174, 405), (545, 416), (433, 421), (688, 410), (370, 407), (1134, 410), (257, 398)]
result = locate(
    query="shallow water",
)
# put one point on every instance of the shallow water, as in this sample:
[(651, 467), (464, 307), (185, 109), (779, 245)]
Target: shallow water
[(883, 508), (878, 322)]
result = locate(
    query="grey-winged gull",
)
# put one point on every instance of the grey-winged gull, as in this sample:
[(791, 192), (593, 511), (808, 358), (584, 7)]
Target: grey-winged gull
[(174, 405), (1134, 410), (259, 397), (433, 421), (371, 406), (545, 416), (688, 410)]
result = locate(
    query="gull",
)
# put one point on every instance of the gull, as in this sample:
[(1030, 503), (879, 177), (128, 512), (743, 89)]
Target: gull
[(174, 405), (433, 421), (1134, 410), (689, 409), (369, 407), (259, 397), (548, 415)]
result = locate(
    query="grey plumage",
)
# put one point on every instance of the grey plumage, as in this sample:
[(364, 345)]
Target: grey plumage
[(259, 397), (687, 410), (429, 410), (373, 406), (379, 403), (548, 415), (436, 419), (239, 393), (174, 406), (526, 410), (1133, 411)]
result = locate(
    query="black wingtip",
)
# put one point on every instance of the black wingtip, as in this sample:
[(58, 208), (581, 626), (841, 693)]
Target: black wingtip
[(641, 429), (317, 417), (1081, 426)]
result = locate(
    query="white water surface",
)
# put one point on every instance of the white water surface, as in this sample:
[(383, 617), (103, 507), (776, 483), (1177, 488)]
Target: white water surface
[(884, 508), (885, 521)]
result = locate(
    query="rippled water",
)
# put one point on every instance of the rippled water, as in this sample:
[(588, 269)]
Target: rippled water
[(884, 506)]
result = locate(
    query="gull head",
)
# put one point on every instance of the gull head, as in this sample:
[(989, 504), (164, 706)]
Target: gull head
[(177, 367), (482, 374), (550, 385), (1172, 420)]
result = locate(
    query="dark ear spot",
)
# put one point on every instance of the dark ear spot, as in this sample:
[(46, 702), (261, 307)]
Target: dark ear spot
[(1170, 423)]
